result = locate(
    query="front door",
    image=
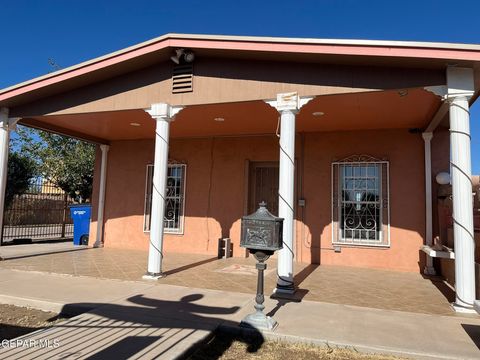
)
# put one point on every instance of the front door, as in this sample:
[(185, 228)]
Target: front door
[(263, 181)]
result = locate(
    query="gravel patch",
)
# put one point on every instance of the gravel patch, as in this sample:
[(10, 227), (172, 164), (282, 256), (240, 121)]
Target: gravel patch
[(231, 347), (16, 321)]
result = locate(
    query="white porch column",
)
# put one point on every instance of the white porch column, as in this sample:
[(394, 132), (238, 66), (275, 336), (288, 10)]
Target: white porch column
[(4, 148), (101, 196), (427, 137), (287, 105), (162, 114), (460, 89)]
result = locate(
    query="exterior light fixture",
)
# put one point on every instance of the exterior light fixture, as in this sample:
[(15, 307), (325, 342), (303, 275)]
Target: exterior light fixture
[(189, 56), (219, 119), (183, 56), (134, 124), (318, 113), (443, 178)]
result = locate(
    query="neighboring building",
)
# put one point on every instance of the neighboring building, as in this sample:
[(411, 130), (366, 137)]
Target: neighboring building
[(48, 187), (363, 129)]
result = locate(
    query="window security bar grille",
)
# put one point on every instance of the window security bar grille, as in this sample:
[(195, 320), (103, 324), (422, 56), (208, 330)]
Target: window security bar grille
[(360, 202), (174, 199)]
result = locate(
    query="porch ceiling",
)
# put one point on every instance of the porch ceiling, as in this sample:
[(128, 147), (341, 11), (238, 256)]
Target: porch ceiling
[(356, 111)]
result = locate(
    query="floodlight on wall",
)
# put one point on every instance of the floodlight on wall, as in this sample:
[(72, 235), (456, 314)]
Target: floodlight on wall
[(183, 56), (443, 178)]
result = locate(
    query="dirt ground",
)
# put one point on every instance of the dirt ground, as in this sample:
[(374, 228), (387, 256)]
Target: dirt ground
[(17, 321), (228, 347)]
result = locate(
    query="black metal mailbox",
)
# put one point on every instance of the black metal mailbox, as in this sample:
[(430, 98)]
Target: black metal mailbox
[(262, 230)]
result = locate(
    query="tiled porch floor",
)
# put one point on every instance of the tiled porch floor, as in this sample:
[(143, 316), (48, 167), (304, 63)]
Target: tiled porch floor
[(334, 284)]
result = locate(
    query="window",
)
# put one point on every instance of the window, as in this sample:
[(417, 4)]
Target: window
[(174, 199), (360, 202)]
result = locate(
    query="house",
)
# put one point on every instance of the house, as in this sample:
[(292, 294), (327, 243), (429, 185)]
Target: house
[(342, 138)]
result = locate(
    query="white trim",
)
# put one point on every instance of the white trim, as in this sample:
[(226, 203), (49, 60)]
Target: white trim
[(181, 230), (145, 200), (364, 159)]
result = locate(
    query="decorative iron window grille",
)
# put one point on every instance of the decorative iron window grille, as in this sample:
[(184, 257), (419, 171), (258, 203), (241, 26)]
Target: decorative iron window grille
[(173, 220), (360, 201)]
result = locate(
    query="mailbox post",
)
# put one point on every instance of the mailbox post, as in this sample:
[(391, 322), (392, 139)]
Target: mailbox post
[(262, 236)]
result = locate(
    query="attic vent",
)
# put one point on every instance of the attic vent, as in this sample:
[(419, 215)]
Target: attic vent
[(182, 79)]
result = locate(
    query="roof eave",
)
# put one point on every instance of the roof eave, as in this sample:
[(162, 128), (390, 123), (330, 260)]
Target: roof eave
[(168, 40)]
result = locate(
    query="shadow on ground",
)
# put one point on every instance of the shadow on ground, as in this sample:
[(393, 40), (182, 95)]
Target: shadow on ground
[(190, 266), (145, 327), (442, 287), (473, 331), (8, 331)]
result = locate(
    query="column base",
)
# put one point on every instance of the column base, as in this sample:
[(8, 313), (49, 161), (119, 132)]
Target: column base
[(153, 276), (259, 321), (476, 306), (284, 290), (98, 245), (429, 270), (463, 310)]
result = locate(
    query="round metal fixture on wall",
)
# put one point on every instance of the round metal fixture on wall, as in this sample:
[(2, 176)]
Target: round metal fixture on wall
[(443, 178)]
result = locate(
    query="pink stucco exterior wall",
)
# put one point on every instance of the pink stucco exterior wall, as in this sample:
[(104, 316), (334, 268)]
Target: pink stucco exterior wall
[(216, 186)]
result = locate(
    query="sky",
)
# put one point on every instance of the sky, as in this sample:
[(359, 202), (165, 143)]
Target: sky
[(69, 32)]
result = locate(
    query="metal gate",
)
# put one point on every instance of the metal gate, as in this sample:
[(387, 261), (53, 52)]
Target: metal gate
[(41, 213)]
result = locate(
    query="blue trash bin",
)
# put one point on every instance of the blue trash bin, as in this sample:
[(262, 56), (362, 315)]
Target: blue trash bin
[(81, 223)]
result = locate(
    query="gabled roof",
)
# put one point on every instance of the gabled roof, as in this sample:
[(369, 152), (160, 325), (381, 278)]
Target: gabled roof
[(128, 59)]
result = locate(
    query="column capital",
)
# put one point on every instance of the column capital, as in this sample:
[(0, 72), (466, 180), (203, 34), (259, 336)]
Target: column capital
[(439, 90), (4, 113), (460, 82), (289, 102), (4, 118), (12, 123), (104, 147), (427, 136), (163, 111), (7, 123)]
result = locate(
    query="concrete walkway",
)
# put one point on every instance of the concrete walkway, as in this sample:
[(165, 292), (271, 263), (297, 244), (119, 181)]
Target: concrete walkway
[(8, 252), (143, 320)]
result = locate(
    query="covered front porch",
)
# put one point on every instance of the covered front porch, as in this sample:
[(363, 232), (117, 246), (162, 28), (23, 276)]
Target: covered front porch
[(219, 144), (379, 289), (218, 156), (354, 133)]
